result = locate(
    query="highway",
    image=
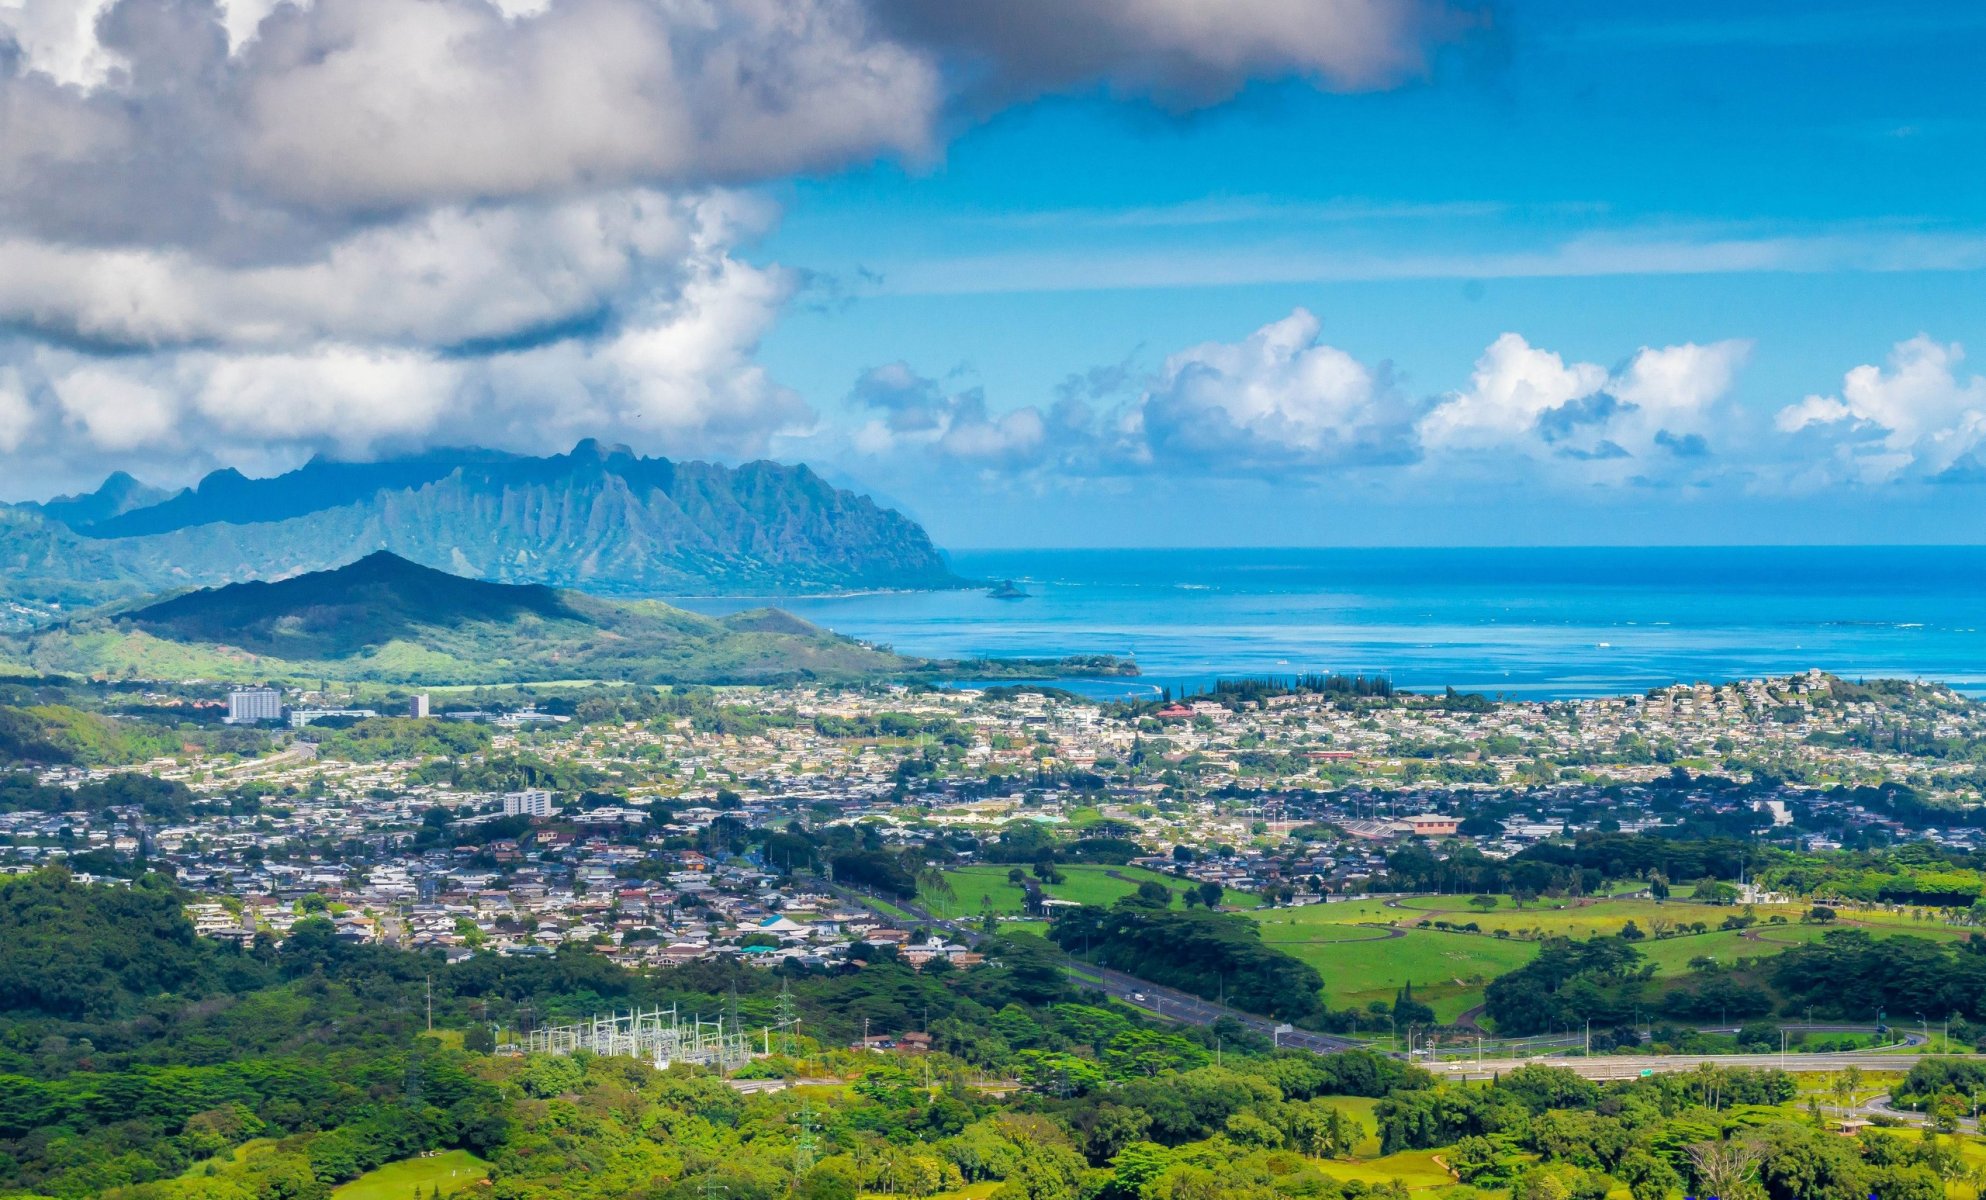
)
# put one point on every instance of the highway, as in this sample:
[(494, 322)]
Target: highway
[(1174, 1005), (1629, 1066)]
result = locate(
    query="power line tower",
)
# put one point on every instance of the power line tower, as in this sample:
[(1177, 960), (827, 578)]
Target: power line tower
[(803, 1145), (787, 1018)]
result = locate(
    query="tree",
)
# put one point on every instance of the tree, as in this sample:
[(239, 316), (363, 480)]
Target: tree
[(1409, 1011), (1153, 894), (1210, 894), (1819, 914), (1722, 1168)]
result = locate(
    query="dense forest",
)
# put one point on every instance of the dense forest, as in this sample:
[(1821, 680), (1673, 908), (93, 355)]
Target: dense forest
[(141, 1063)]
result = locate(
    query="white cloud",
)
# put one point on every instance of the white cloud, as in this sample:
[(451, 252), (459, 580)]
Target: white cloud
[(677, 376), (58, 37), (117, 409), (1918, 418), (452, 275), (1598, 426), (1278, 398), (957, 427), (264, 227), (382, 103), (1513, 385)]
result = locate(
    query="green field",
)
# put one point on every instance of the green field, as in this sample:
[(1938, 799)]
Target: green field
[(1414, 1168), (449, 1170), (1346, 912), (1448, 970), (1350, 946), (1084, 883)]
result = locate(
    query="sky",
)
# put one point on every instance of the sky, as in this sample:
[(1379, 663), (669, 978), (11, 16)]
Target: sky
[(1038, 272)]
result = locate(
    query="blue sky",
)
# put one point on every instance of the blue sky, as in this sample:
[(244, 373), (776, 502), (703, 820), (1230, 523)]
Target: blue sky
[(1050, 272), (1595, 178)]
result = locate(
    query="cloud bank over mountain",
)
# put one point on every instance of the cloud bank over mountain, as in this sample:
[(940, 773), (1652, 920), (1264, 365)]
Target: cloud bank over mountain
[(243, 231)]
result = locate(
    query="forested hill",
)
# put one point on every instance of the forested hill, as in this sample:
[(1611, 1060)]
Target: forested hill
[(384, 618), (600, 518)]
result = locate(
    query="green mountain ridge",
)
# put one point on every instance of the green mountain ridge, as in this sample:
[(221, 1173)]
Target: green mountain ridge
[(385, 619), (600, 518)]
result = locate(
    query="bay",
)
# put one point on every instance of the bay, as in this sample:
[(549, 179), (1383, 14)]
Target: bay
[(1536, 623)]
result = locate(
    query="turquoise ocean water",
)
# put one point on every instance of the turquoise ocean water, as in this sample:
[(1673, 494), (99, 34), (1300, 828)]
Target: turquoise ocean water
[(1521, 622)]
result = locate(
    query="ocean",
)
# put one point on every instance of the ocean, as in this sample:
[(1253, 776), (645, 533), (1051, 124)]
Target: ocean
[(1533, 623)]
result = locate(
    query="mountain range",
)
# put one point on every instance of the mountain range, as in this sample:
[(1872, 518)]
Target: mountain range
[(600, 518), (385, 619)]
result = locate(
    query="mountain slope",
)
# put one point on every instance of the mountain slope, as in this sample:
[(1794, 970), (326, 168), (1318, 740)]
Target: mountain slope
[(600, 517), (385, 619)]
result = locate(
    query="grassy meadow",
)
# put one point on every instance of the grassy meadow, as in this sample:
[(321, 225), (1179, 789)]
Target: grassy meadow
[(985, 888), (448, 1170), (1367, 949)]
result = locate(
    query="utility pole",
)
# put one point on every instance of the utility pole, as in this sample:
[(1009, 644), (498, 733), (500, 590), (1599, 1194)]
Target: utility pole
[(430, 1003)]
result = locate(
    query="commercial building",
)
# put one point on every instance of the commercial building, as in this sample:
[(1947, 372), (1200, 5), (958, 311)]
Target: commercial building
[(246, 706), (1432, 825), (418, 706), (300, 717)]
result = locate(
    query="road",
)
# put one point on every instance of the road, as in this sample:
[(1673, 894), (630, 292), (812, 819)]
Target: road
[(1628, 1066), (1175, 1005)]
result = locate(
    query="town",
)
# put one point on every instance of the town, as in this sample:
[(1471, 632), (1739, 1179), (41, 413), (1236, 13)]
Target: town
[(644, 839)]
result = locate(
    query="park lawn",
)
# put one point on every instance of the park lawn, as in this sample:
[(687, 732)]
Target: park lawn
[(1460, 903), (971, 1191), (1607, 917), (1448, 970), (1672, 956), (237, 1155), (1345, 912), (1276, 929), (448, 1170), (1414, 1168), (1360, 1109), (1926, 925), (1084, 883)]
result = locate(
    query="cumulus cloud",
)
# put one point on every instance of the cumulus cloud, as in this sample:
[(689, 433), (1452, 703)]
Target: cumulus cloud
[(449, 276), (1917, 419), (677, 372), (1630, 423), (912, 410), (1282, 403), (1278, 400)]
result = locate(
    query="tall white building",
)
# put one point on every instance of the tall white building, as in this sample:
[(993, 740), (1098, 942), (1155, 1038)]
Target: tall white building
[(418, 706), (531, 802), (246, 706)]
